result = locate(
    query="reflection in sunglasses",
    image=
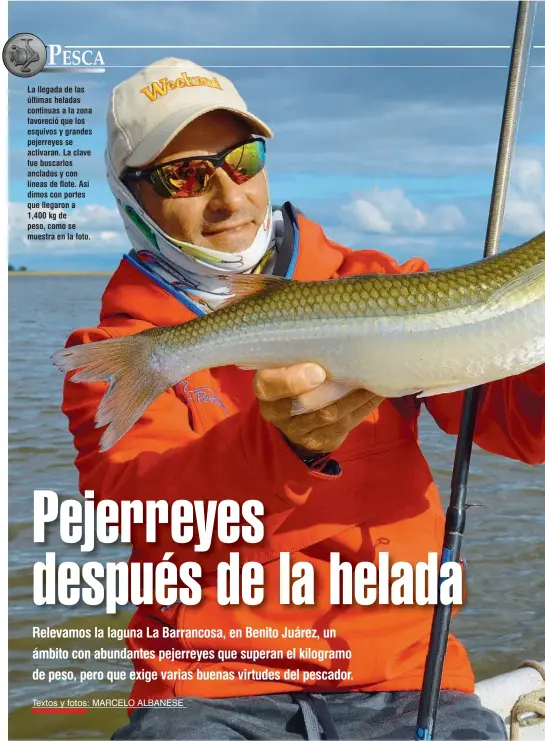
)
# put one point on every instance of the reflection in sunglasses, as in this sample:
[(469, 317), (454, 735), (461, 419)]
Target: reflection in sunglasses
[(191, 177)]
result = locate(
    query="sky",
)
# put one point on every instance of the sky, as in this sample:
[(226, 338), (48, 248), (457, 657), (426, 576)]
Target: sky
[(390, 149)]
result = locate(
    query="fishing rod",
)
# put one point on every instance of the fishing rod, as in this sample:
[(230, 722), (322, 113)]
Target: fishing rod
[(456, 512)]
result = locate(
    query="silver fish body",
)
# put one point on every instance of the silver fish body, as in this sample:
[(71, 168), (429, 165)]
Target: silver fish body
[(425, 334)]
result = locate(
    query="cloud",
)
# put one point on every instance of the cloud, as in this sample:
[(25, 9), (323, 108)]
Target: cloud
[(401, 248), (103, 225), (391, 212), (347, 126), (525, 208)]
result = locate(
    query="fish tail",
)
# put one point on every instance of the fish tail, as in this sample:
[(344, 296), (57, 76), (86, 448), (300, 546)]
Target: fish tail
[(135, 380)]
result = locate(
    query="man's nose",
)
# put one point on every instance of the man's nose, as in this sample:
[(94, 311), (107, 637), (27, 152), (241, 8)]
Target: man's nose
[(225, 195)]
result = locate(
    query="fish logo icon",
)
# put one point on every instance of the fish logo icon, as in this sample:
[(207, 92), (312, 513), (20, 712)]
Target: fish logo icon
[(24, 55)]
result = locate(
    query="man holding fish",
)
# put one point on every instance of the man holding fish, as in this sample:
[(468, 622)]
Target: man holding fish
[(240, 366)]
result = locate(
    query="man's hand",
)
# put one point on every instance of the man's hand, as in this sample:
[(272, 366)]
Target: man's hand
[(321, 431)]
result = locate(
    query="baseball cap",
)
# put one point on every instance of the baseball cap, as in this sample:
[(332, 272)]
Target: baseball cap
[(147, 110)]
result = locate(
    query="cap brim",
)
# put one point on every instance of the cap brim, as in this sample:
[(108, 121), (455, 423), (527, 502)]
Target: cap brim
[(156, 141)]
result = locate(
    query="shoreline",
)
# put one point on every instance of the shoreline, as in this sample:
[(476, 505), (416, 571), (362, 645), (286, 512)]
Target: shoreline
[(41, 273)]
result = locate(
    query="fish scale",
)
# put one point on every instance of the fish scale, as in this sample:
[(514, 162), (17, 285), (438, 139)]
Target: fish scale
[(389, 294), (419, 333)]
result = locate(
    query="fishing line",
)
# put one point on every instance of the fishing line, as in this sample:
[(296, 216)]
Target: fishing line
[(456, 512)]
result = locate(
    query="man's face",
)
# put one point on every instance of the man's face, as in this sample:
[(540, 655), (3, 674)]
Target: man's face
[(227, 217)]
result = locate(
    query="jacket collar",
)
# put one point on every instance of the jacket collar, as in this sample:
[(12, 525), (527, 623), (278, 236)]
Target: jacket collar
[(133, 291)]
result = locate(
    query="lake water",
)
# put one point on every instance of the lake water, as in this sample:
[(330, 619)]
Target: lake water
[(502, 624)]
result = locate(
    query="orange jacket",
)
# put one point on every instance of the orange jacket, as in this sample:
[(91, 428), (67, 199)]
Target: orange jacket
[(205, 439)]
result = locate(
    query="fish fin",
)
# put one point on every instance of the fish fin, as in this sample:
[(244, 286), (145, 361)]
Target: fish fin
[(254, 366), (257, 366), (134, 382), (243, 286), (532, 279), (321, 396), (436, 390)]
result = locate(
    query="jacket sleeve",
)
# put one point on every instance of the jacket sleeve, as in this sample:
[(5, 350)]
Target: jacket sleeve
[(510, 417), (243, 457)]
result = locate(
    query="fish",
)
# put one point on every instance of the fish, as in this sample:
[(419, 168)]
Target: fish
[(422, 334)]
